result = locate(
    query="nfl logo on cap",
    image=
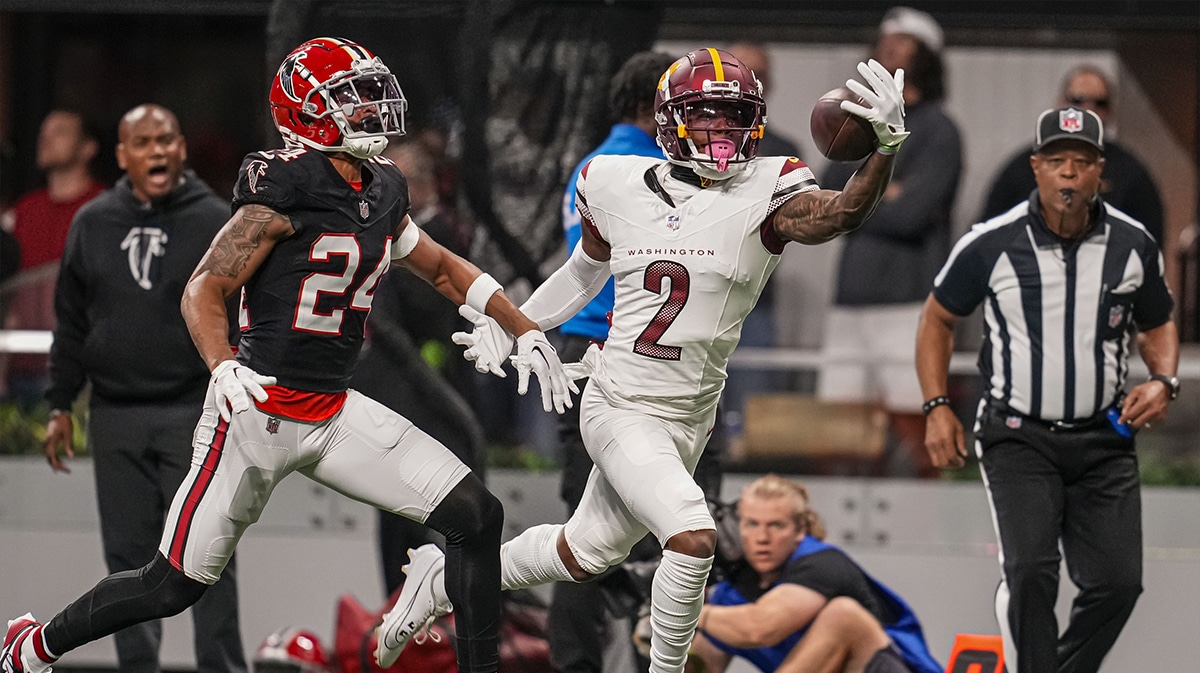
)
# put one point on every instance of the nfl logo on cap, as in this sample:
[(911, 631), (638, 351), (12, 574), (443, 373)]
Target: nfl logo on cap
[(1068, 123), (1070, 120)]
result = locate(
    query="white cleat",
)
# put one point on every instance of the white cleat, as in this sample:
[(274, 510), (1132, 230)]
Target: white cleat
[(422, 600), (10, 658)]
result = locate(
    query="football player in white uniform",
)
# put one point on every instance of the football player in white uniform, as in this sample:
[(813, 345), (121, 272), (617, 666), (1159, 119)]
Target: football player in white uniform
[(691, 241)]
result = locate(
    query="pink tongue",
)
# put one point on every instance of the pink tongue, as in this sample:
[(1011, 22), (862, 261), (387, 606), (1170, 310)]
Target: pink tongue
[(722, 150)]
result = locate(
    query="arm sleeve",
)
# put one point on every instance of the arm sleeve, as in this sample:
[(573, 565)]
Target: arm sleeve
[(567, 290), (67, 371)]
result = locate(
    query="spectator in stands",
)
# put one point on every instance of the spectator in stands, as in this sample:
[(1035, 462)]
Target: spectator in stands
[(888, 265), (800, 604), (128, 256), (39, 222), (1125, 183)]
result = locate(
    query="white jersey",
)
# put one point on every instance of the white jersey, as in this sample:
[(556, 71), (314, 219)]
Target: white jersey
[(690, 263)]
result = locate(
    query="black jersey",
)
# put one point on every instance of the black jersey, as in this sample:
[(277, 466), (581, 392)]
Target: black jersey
[(304, 311)]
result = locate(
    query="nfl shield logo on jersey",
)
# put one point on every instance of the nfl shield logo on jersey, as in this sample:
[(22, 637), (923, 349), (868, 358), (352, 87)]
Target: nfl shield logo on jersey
[(673, 222), (1013, 422), (272, 425), (364, 209), (1070, 120), (1116, 315)]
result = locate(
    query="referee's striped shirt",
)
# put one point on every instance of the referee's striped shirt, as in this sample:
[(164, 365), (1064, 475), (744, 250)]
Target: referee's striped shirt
[(1059, 315)]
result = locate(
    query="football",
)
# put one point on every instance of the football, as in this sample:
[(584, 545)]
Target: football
[(839, 135)]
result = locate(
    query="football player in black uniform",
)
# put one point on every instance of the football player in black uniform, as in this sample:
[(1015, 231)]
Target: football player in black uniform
[(315, 227)]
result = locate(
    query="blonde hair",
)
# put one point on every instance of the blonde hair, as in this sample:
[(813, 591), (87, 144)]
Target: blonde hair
[(774, 486)]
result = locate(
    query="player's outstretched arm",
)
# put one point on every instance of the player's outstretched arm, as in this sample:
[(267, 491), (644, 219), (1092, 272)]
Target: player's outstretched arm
[(484, 303), (816, 217)]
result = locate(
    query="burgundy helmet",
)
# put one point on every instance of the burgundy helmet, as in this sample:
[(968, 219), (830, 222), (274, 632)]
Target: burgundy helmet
[(707, 80), (325, 82)]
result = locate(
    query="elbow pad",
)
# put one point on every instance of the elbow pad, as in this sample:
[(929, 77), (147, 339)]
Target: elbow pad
[(567, 290)]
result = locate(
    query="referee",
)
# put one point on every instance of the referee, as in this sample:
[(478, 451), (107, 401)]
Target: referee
[(1065, 281)]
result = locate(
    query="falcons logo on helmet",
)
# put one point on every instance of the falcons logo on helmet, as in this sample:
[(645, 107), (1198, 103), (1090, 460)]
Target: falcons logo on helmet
[(254, 171), (291, 67)]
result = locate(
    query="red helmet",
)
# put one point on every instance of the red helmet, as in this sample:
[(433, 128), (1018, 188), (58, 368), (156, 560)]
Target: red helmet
[(709, 82), (291, 650), (335, 96)]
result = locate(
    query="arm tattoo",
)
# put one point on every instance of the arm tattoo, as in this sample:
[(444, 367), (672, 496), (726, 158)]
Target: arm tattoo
[(237, 241), (819, 216)]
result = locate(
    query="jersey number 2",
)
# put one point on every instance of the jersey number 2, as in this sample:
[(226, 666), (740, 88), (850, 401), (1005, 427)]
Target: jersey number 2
[(327, 245), (647, 342)]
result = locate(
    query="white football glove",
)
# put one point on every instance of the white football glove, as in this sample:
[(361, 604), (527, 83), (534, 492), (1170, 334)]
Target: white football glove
[(536, 354), (488, 345), (886, 98), (587, 365), (233, 385)]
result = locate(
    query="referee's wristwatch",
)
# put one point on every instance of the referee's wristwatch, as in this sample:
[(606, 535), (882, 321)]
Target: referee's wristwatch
[(1171, 382)]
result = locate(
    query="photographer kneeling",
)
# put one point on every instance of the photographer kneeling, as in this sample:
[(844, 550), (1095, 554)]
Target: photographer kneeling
[(797, 603)]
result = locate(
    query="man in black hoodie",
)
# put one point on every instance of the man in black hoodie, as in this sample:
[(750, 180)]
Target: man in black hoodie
[(129, 255)]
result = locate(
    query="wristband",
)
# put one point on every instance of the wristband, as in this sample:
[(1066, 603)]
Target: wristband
[(889, 149), (55, 413), (939, 401), (481, 290)]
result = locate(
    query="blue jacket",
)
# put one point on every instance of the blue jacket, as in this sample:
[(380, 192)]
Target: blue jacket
[(592, 320), (905, 632)]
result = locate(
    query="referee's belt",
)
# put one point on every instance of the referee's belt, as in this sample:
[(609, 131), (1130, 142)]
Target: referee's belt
[(1095, 422)]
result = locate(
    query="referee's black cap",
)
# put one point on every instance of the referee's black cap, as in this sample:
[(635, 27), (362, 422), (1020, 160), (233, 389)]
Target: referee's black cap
[(1069, 123)]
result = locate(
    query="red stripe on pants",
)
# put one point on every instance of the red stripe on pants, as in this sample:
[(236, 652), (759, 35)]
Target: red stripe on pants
[(196, 492)]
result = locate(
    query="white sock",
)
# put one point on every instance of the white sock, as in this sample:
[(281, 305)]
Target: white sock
[(676, 597), (531, 558)]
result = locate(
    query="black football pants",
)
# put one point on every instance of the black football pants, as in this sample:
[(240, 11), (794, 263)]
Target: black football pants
[(142, 453), (1079, 487)]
